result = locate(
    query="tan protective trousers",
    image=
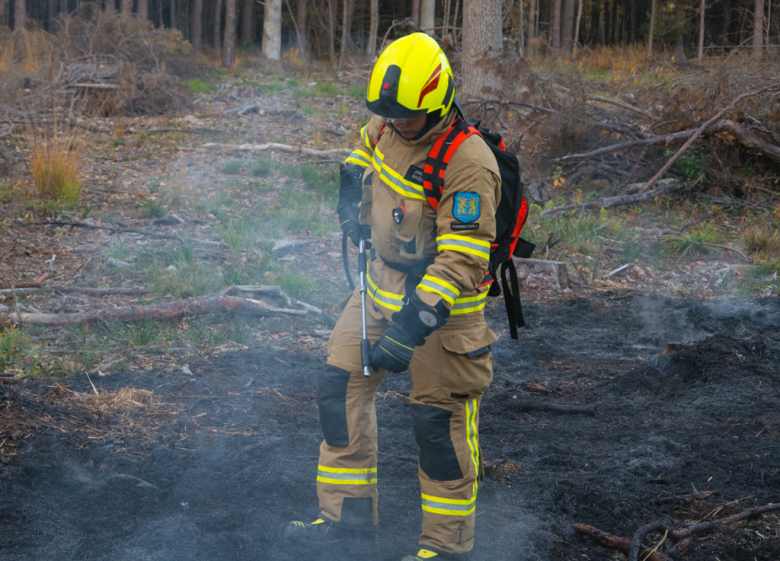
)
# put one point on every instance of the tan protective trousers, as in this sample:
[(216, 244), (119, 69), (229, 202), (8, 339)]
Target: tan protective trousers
[(450, 373)]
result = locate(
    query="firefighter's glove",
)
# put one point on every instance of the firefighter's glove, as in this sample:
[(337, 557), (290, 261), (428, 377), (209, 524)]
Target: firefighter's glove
[(411, 325), (348, 208)]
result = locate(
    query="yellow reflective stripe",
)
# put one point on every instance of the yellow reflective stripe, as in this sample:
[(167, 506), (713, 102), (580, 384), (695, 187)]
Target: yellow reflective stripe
[(360, 158), (446, 290), (451, 507), (382, 297), (426, 554), (396, 180), (366, 140), (471, 437), (464, 244), (346, 476), (469, 304)]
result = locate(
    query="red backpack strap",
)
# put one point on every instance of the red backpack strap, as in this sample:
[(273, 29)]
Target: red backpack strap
[(438, 158)]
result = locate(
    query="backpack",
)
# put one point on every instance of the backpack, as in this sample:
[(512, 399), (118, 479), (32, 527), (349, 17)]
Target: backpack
[(511, 214)]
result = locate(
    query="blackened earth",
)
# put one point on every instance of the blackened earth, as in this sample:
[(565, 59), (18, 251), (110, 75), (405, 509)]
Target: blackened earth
[(704, 417)]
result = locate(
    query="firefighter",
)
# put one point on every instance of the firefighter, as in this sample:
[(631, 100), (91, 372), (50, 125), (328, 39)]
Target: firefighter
[(425, 311)]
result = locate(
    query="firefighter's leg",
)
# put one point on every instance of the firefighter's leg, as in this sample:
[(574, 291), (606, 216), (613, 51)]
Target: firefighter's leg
[(450, 373), (346, 475)]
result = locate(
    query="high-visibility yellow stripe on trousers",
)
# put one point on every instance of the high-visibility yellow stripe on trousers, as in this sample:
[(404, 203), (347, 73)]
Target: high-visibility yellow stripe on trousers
[(472, 410), (450, 507), (346, 476)]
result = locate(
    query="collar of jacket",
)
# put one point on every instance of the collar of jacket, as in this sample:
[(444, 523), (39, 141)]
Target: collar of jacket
[(441, 127)]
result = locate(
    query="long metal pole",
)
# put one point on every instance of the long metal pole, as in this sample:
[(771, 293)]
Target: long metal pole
[(365, 346)]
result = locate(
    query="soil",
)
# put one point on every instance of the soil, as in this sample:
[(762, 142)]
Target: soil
[(228, 455)]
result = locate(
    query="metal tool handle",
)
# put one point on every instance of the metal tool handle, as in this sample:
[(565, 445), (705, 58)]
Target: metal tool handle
[(365, 345)]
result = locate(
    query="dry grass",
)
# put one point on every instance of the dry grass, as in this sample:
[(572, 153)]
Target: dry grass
[(626, 58), (55, 165), (24, 50), (761, 238)]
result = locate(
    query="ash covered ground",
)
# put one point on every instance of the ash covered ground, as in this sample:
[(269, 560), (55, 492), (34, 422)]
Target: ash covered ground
[(674, 437)]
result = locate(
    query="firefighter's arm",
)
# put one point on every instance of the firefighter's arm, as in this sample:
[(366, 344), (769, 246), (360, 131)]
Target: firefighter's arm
[(465, 227), (351, 187)]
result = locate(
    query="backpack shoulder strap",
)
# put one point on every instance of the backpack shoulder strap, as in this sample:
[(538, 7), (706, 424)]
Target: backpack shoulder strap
[(438, 158)]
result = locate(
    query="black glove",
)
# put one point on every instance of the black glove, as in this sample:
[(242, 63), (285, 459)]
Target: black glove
[(411, 325), (348, 209)]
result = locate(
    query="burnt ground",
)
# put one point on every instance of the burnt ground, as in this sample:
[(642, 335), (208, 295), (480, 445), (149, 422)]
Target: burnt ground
[(233, 451)]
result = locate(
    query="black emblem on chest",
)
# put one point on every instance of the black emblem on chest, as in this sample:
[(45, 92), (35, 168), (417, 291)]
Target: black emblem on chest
[(414, 174)]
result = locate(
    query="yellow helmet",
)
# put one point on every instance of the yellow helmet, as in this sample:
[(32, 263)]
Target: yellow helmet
[(412, 77)]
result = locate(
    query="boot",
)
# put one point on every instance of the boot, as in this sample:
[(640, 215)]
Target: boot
[(428, 554), (325, 532)]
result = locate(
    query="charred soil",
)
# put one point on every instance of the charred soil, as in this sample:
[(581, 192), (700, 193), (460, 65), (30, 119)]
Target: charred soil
[(216, 464)]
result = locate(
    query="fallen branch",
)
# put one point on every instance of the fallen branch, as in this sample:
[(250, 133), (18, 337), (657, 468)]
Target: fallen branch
[(608, 202), (115, 230), (255, 108), (194, 306), (275, 146), (664, 139), (698, 528), (747, 138), (100, 291), (649, 185), (616, 271), (615, 542), (525, 406), (698, 220)]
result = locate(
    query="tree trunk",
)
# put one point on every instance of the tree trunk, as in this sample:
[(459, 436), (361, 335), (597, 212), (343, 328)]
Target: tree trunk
[(416, 11), (248, 21), (332, 31), (481, 38), (300, 21), (20, 14), (651, 32), (346, 32), (51, 13), (229, 43), (595, 21), (272, 30), (172, 14), (613, 25), (726, 21), (679, 42), (373, 29), (143, 9), (197, 25), (577, 29), (701, 32), (427, 14), (529, 53), (218, 25), (758, 29), (126, 7), (568, 25), (555, 28)]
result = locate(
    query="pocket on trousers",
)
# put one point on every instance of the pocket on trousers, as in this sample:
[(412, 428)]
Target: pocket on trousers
[(468, 365)]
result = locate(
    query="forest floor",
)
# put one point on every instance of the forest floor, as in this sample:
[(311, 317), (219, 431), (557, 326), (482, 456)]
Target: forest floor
[(202, 440)]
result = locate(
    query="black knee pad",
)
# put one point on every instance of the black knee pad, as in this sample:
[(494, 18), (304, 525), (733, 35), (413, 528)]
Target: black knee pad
[(332, 401), (437, 453)]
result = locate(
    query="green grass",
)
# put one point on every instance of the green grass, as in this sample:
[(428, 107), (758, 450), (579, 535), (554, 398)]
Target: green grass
[(321, 89), (694, 241), (144, 332), (199, 86), (151, 208), (232, 167), (357, 92), (6, 191), (262, 167), (14, 344)]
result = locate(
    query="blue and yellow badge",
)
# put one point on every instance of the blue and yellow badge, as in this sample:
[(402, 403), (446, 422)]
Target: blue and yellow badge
[(466, 207)]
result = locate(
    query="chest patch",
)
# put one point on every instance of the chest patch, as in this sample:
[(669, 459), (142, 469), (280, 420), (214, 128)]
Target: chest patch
[(466, 207), (415, 175)]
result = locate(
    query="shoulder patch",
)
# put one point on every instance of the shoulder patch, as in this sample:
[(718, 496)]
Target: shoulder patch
[(466, 206)]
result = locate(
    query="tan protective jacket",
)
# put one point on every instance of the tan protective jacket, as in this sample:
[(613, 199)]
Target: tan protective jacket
[(456, 238)]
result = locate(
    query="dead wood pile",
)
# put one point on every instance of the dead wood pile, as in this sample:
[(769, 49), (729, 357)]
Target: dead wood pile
[(707, 123)]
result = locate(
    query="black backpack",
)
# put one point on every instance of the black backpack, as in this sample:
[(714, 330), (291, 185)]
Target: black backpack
[(511, 214)]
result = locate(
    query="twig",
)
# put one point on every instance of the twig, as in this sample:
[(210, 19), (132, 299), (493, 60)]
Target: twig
[(698, 220), (91, 384), (608, 100), (616, 271), (614, 542), (729, 248)]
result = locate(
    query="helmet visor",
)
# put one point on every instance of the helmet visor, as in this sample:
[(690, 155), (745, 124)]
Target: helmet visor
[(394, 120)]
